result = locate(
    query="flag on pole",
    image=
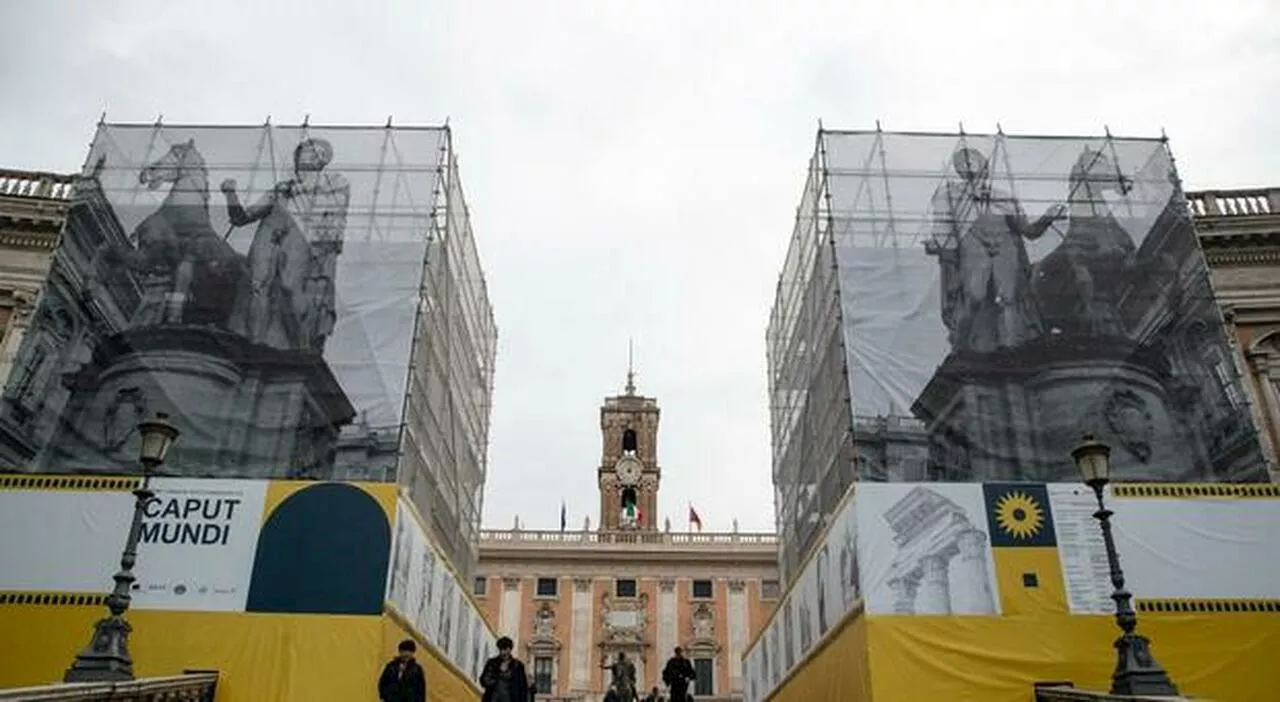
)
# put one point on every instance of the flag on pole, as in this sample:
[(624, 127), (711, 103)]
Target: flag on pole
[(564, 516), (694, 520)]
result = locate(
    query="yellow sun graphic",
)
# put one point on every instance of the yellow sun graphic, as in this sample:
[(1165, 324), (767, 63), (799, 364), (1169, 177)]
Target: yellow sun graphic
[(1019, 515)]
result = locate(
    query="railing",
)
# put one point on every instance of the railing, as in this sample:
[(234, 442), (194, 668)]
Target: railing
[(34, 184), (595, 696), (887, 422), (1070, 694), (191, 687), (1252, 202), (626, 537)]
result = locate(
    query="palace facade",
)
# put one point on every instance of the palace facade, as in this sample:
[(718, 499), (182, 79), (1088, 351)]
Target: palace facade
[(573, 599)]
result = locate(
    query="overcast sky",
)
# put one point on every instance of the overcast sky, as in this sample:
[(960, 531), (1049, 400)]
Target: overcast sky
[(633, 168)]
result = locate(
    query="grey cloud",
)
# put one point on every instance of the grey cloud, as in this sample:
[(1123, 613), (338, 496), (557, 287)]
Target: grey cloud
[(633, 168)]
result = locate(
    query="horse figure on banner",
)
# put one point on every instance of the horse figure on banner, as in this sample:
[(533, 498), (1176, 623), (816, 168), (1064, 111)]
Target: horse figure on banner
[(1078, 286), (177, 248)]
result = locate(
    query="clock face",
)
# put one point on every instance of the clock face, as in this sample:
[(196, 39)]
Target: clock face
[(628, 470)]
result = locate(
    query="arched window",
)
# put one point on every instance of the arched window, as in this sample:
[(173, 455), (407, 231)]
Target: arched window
[(629, 441), (628, 499)]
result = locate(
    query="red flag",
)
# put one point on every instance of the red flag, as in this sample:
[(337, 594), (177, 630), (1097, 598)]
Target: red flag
[(694, 519)]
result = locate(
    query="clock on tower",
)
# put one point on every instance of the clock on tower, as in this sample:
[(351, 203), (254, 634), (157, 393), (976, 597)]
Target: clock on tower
[(628, 472)]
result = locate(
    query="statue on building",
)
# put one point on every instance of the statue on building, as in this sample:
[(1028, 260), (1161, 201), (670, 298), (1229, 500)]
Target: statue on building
[(977, 235), (293, 259), (623, 677), (190, 275), (1079, 284)]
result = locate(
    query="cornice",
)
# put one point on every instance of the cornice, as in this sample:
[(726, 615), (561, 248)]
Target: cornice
[(1238, 236), (1226, 256), (585, 575), (35, 239)]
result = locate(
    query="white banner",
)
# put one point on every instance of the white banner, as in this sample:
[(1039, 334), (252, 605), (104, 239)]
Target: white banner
[(927, 549), (198, 543), (1199, 548), (423, 589)]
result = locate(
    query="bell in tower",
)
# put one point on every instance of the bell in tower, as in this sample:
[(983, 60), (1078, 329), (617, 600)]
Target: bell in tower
[(629, 473)]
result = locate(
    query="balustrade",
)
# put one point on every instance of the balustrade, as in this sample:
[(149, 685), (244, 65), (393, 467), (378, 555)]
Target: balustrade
[(45, 186), (642, 538), (1070, 694), (1252, 202), (190, 687)]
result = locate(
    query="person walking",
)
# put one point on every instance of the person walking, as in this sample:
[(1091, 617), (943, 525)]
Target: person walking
[(504, 678), (403, 679), (676, 674)]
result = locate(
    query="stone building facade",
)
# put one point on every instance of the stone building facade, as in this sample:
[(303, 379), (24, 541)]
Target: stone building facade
[(572, 600), (1239, 231), (33, 206)]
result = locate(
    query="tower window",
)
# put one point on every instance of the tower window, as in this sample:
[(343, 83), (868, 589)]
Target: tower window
[(629, 441)]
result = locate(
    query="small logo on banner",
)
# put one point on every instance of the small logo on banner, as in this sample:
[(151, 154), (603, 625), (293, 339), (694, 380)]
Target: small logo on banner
[(1018, 514)]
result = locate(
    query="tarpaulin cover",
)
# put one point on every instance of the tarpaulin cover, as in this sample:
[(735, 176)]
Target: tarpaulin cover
[(978, 590), (260, 285), (280, 585), (961, 308)]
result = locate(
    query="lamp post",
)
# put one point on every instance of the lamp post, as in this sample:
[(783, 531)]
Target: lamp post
[(106, 657), (1137, 672)]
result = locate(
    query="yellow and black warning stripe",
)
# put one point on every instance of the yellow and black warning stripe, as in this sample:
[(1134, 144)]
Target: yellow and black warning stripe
[(1214, 606), (54, 599), (1197, 490), (69, 483)]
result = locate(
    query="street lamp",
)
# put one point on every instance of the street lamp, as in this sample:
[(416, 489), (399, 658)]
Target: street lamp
[(106, 657), (1137, 672)]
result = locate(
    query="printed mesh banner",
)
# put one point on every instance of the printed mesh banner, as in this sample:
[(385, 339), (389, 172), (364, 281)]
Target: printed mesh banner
[(206, 545), (196, 550), (259, 285), (432, 598), (1002, 295), (266, 547), (945, 553)]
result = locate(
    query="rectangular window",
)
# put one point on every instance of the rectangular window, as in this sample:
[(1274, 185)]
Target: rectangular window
[(542, 666), (548, 587), (769, 590), (478, 588), (625, 588), (702, 589), (705, 669)]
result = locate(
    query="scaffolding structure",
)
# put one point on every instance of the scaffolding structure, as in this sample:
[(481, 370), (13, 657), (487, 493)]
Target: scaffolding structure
[(305, 302), (932, 282)]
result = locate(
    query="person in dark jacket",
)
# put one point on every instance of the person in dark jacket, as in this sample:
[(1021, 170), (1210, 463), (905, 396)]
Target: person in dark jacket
[(677, 674), (403, 679), (504, 678)]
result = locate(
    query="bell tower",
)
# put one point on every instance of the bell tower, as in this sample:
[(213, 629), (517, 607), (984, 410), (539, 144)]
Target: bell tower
[(629, 472)]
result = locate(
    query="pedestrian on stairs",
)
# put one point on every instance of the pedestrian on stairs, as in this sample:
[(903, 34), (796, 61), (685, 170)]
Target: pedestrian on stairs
[(403, 679)]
